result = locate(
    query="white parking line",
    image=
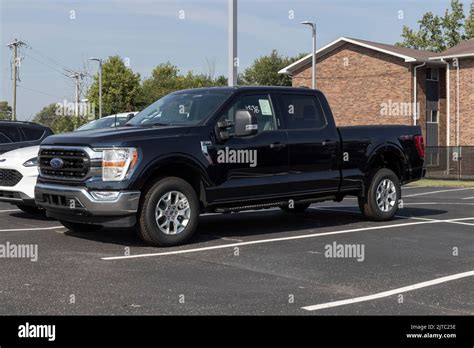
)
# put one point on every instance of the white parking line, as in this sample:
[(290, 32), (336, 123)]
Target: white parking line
[(32, 229), (469, 198), (9, 210), (439, 191), (390, 292), (261, 241), (450, 221)]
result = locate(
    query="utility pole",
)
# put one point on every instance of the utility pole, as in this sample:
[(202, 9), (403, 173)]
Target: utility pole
[(76, 76), (232, 43), (99, 60), (15, 66)]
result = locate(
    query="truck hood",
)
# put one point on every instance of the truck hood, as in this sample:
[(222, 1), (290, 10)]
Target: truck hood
[(18, 156), (115, 136)]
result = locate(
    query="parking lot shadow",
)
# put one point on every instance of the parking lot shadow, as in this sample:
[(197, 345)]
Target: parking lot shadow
[(274, 221), (257, 223), (27, 216), (120, 236)]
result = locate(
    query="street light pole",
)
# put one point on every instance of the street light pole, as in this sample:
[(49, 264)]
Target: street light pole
[(313, 30), (232, 43), (100, 84)]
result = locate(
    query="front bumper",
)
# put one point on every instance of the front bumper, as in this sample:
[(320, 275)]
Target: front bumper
[(76, 204), (23, 191)]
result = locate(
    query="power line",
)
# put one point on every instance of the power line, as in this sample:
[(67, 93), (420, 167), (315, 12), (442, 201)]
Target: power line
[(43, 63), (41, 92), (52, 60)]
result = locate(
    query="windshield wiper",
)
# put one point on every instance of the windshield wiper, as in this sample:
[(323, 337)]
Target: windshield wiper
[(156, 124)]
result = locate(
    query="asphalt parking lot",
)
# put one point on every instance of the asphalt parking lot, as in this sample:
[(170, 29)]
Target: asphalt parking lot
[(256, 263)]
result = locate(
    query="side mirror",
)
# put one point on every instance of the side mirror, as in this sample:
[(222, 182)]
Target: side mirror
[(129, 117), (245, 123)]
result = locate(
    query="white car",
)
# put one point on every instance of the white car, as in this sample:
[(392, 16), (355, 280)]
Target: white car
[(19, 168), (18, 174), (110, 121)]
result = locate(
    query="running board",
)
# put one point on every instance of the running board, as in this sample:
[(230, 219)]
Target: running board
[(251, 207), (272, 205)]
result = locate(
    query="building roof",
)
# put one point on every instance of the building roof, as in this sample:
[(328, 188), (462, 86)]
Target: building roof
[(407, 54), (464, 49)]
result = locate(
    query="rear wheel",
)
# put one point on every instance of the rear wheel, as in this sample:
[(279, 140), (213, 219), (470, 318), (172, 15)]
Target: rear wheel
[(380, 202), (30, 209), (81, 228), (169, 213), (298, 208)]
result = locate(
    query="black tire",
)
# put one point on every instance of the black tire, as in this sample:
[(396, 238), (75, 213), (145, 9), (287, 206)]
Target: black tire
[(30, 209), (368, 205), (81, 228), (298, 208), (147, 225)]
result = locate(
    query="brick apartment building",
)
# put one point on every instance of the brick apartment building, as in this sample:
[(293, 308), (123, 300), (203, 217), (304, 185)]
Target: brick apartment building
[(373, 83)]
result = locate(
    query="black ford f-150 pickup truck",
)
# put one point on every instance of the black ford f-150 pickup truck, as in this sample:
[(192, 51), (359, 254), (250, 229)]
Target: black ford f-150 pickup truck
[(223, 150)]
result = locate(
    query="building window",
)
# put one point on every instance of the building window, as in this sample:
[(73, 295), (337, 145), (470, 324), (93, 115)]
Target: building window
[(432, 74), (433, 116)]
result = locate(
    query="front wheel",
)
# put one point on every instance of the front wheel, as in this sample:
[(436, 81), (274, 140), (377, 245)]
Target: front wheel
[(382, 196), (169, 213)]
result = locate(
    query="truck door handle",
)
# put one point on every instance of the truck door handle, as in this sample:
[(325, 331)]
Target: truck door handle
[(277, 146), (327, 142)]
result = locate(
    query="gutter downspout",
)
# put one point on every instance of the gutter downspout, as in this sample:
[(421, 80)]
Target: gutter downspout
[(448, 104), (448, 114), (456, 60), (458, 127), (415, 87)]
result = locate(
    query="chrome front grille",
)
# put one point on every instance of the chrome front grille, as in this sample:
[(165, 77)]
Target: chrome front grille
[(71, 163)]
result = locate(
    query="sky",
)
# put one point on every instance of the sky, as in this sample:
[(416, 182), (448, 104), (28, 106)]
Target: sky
[(188, 33)]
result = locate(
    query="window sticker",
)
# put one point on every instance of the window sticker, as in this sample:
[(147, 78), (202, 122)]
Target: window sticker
[(265, 107), (253, 108)]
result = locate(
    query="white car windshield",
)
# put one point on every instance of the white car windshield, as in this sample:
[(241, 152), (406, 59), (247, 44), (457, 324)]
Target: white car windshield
[(108, 122)]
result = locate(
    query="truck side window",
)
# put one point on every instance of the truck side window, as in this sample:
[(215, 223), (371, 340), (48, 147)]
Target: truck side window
[(260, 105), (302, 112)]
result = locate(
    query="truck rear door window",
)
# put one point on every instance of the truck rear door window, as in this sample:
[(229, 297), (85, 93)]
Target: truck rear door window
[(302, 112)]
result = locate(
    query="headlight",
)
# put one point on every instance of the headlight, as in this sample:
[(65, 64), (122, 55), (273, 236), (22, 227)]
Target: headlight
[(117, 163), (32, 162)]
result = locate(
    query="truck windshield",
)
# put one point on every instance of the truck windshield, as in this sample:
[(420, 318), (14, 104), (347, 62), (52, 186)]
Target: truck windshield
[(180, 109)]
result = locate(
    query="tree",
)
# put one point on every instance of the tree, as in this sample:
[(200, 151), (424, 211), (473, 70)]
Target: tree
[(120, 88), (166, 78), (264, 70), (51, 116), (469, 24), (5, 111), (437, 33), (453, 24)]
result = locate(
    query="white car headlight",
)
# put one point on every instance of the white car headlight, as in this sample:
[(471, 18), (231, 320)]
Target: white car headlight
[(117, 163), (32, 162)]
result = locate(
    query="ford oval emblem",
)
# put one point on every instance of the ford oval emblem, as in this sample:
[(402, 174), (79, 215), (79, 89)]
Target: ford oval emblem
[(56, 163)]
